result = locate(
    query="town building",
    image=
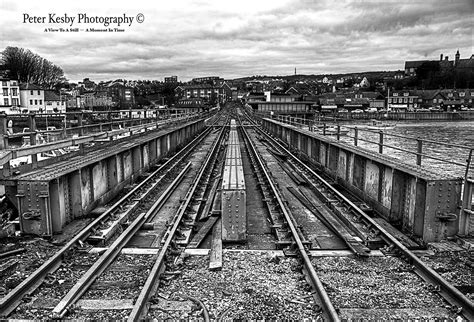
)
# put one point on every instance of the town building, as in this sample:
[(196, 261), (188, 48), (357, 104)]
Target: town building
[(413, 68), (302, 89), (171, 79), (209, 93), (342, 103), (458, 99), (214, 80), (403, 100), (9, 96), (279, 104), (190, 105), (73, 100), (430, 98), (122, 95), (376, 99), (97, 100), (54, 103), (364, 83), (31, 98)]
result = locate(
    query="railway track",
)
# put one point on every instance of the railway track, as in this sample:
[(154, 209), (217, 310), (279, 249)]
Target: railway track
[(233, 283), (129, 210), (147, 269), (141, 306), (296, 235), (370, 232)]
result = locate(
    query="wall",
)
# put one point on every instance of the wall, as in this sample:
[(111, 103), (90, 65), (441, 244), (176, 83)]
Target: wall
[(26, 96), (412, 198), (72, 188)]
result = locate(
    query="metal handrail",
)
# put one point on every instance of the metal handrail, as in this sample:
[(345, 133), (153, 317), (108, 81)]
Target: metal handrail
[(408, 151), (117, 121), (407, 137), (418, 154)]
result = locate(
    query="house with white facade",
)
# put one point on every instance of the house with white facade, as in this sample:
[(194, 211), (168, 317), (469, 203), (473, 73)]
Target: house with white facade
[(31, 98), (9, 96)]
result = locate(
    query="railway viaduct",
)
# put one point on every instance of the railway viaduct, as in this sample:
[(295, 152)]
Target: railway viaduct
[(55, 192)]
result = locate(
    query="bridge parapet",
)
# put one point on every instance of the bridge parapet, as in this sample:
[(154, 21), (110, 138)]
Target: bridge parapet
[(423, 202), (49, 197)]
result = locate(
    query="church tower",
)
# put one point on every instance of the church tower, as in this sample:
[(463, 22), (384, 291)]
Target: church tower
[(456, 58)]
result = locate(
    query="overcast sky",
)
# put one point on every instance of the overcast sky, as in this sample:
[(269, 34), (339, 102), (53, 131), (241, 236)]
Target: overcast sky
[(241, 38)]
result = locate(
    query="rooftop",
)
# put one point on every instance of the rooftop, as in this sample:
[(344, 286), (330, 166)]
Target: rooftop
[(27, 86)]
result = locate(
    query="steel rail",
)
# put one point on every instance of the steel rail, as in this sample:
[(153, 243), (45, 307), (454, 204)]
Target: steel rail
[(10, 301), (140, 308), (448, 291), (325, 301), (83, 284)]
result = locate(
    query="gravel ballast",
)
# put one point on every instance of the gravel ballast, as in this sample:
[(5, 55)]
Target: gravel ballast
[(378, 284), (250, 286)]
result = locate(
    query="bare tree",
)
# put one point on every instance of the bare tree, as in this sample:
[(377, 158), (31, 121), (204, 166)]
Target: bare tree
[(29, 67)]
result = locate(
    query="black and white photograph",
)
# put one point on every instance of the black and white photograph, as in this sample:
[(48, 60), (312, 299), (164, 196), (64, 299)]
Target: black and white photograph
[(206, 160)]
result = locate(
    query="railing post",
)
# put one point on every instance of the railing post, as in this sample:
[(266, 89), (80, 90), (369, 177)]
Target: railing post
[(338, 134), (3, 131), (80, 123), (466, 208), (356, 136), (32, 125), (419, 151), (4, 141), (64, 129), (468, 163), (324, 128), (82, 131), (380, 142)]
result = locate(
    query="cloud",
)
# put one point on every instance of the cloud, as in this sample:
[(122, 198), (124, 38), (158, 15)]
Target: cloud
[(234, 39)]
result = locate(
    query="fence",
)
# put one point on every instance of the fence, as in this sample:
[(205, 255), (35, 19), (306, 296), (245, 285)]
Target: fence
[(354, 132)]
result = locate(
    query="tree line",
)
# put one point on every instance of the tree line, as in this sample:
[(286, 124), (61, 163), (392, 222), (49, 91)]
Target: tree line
[(28, 67)]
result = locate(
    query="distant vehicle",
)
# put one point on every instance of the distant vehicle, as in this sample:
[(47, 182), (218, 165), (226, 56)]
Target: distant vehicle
[(422, 110), (434, 109), (343, 110), (371, 110), (357, 111), (51, 128), (464, 109)]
